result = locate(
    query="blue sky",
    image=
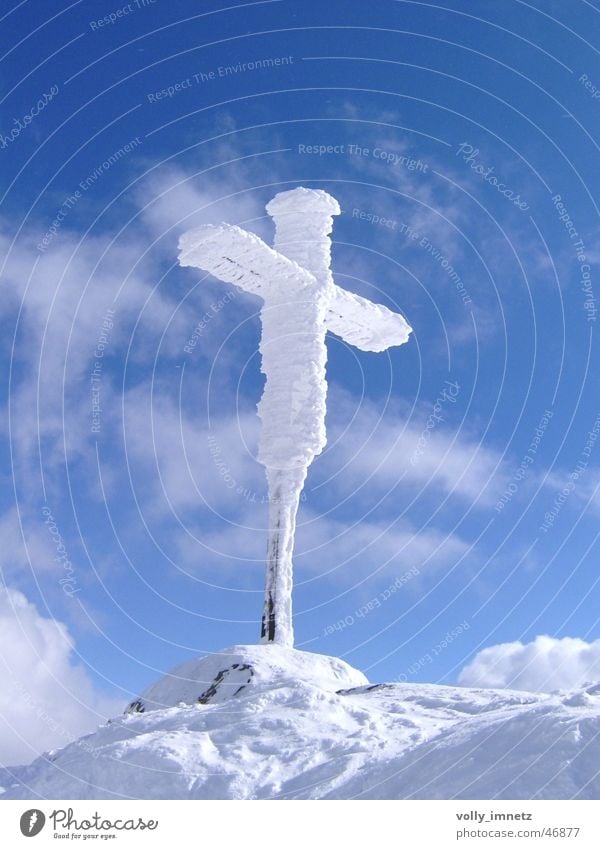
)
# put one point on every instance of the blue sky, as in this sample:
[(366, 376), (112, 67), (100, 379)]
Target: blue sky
[(461, 142)]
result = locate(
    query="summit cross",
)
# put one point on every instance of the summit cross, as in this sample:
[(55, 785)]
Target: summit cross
[(301, 302)]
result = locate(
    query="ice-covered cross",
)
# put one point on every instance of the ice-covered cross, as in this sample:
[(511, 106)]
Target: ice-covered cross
[(301, 303)]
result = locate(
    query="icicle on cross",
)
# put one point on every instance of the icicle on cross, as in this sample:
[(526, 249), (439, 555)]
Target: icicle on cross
[(301, 303)]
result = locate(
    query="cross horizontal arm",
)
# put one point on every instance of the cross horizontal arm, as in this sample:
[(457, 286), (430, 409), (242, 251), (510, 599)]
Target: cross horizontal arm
[(236, 256), (360, 322)]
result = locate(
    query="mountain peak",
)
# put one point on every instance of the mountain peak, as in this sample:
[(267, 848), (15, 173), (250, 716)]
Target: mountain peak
[(268, 722)]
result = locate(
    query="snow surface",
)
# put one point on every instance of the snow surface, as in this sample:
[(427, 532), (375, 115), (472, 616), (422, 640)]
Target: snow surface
[(249, 668), (284, 724)]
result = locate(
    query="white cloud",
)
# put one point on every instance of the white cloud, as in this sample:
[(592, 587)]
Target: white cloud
[(384, 451), (216, 490), (180, 461), (65, 293), (336, 552), (25, 544), (584, 488), (173, 201), (46, 700), (362, 550), (543, 665)]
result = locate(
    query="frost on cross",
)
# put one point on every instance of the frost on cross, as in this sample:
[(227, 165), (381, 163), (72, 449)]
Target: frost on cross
[(301, 303)]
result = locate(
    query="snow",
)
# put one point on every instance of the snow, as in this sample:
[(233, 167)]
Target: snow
[(283, 724), (368, 326), (252, 668), (303, 222), (301, 302), (237, 256)]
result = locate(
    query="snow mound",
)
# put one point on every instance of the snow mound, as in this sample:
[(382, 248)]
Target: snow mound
[(244, 670), (305, 726)]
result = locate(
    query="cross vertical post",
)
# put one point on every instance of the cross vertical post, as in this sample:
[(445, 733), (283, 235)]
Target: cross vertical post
[(303, 222)]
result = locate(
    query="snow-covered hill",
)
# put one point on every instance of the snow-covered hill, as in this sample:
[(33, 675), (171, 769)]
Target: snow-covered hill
[(268, 722)]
